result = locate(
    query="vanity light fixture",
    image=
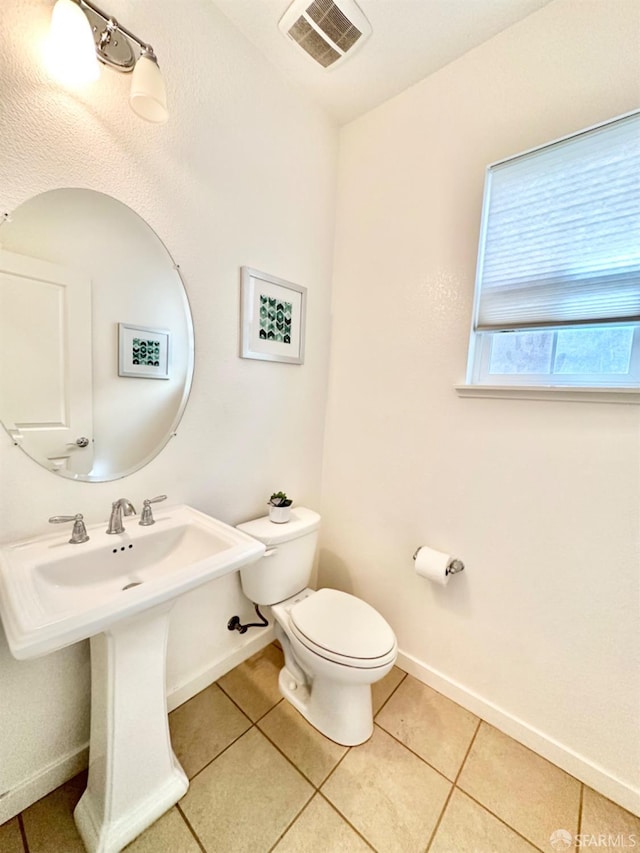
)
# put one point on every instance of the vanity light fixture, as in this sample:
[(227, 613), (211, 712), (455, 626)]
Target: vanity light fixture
[(78, 28)]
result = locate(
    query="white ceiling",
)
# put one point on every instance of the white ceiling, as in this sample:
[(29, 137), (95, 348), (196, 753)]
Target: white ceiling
[(411, 39)]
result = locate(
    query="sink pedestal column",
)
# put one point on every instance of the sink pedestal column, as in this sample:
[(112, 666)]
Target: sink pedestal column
[(134, 777)]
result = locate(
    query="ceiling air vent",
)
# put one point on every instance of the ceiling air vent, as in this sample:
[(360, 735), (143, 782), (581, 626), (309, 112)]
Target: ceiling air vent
[(328, 31)]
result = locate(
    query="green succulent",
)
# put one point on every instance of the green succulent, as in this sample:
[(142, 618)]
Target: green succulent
[(279, 499)]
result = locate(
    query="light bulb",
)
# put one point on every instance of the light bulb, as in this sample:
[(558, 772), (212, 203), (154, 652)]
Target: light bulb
[(70, 50), (148, 97)]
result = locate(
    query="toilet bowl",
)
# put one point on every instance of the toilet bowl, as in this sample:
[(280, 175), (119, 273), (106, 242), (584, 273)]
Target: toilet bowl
[(335, 645)]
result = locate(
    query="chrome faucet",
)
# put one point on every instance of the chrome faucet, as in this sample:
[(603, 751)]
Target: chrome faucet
[(118, 508)]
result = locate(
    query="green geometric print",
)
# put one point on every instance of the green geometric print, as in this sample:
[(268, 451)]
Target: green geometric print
[(275, 320), (145, 352)]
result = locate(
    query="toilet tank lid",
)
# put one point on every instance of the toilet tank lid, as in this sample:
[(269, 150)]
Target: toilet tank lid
[(301, 522)]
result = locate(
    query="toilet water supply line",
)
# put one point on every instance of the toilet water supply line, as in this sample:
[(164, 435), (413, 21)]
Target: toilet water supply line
[(234, 623), (291, 665)]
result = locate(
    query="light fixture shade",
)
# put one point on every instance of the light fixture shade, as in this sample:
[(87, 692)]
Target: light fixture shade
[(148, 97), (70, 51)]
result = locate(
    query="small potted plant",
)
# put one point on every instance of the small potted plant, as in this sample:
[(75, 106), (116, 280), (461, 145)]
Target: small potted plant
[(279, 508)]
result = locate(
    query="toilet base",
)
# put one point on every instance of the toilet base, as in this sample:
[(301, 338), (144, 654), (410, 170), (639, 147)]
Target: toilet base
[(341, 712)]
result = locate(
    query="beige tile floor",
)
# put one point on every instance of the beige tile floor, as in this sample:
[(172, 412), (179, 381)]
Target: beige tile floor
[(433, 777)]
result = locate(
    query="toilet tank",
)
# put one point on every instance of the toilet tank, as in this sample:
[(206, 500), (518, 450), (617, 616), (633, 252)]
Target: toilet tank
[(286, 567)]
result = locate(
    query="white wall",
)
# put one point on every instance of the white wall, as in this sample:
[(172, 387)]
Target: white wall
[(243, 173), (540, 499)]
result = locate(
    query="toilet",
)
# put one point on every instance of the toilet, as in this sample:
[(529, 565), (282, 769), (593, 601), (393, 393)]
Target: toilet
[(335, 645)]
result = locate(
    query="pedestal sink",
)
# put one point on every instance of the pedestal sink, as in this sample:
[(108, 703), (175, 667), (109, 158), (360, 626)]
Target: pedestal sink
[(118, 591)]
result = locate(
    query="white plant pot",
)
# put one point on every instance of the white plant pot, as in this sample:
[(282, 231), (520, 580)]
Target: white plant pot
[(279, 514)]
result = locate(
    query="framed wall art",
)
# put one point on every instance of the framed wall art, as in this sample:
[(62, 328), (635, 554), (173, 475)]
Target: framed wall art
[(143, 352), (272, 318)]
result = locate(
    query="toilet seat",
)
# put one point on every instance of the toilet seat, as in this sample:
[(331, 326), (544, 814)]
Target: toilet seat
[(342, 628)]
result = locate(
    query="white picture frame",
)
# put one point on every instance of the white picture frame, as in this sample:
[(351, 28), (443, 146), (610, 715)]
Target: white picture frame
[(272, 318), (144, 352)]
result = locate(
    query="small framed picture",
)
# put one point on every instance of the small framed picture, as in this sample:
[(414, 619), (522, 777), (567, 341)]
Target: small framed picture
[(143, 352), (272, 318)]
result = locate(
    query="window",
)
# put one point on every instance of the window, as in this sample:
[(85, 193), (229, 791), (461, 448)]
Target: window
[(558, 281)]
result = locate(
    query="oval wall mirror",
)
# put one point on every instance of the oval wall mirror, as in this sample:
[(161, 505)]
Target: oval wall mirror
[(96, 335)]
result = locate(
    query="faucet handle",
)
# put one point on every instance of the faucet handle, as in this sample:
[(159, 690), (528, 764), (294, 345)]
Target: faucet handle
[(146, 516), (79, 533)]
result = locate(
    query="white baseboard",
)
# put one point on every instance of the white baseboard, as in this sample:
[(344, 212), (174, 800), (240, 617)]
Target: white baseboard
[(577, 765), (44, 781)]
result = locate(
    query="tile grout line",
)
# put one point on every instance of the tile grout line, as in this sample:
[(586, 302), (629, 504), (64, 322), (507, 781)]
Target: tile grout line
[(404, 675), (412, 751), (23, 833), (424, 760), (266, 713), (252, 724), (466, 755), (477, 802), (400, 743), (275, 746), (334, 806), (285, 756), (333, 770), (454, 785), (492, 813), (190, 828), (289, 825), (453, 788), (580, 807), (222, 751), (345, 819), (240, 708), (501, 820)]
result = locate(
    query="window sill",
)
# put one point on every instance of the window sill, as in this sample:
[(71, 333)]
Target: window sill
[(537, 392)]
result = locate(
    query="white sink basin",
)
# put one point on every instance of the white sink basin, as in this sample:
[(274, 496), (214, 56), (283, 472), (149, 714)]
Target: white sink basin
[(53, 593)]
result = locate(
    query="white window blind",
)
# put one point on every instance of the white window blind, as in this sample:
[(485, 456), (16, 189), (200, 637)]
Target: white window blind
[(560, 241)]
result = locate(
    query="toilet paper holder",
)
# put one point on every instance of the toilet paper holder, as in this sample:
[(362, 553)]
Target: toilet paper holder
[(453, 568)]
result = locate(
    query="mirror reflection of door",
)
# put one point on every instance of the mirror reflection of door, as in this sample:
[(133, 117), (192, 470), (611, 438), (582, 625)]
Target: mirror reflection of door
[(45, 360)]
